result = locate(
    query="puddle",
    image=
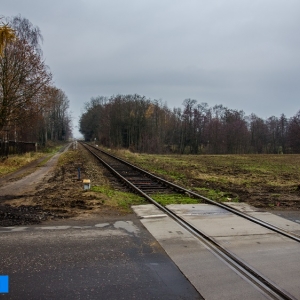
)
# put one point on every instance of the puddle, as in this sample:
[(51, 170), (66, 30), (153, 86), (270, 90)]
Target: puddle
[(128, 226)]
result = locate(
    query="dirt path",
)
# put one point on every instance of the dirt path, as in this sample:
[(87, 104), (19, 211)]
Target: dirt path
[(53, 192), (30, 182), (18, 189)]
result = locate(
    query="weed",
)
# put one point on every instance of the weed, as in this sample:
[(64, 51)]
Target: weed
[(275, 195), (216, 195), (45, 160), (118, 199), (166, 199)]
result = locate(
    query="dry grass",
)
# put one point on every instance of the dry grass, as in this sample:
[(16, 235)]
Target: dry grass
[(262, 180), (15, 162), (249, 170)]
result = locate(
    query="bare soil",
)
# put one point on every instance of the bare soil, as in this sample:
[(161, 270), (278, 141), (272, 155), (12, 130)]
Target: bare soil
[(270, 182), (55, 192), (262, 196), (59, 193)]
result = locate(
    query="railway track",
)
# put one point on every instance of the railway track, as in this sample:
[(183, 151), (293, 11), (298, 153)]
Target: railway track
[(146, 184)]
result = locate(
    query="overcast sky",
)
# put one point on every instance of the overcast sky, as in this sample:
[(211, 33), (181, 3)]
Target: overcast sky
[(242, 54)]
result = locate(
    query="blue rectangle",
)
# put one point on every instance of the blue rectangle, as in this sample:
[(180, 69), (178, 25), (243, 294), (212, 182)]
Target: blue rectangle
[(3, 284)]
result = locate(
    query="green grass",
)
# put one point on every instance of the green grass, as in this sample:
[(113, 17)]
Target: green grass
[(166, 199), (45, 160), (216, 195), (53, 147), (158, 164), (119, 199), (251, 171)]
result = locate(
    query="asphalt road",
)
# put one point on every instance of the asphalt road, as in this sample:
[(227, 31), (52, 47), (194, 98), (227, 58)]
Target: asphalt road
[(117, 259), (288, 214)]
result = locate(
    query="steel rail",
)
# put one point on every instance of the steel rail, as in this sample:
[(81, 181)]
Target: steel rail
[(207, 200), (265, 284)]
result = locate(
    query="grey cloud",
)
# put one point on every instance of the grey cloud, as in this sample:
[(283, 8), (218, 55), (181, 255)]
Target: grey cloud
[(242, 54)]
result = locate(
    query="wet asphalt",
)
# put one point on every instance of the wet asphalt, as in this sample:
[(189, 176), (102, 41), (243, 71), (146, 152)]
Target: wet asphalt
[(115, 259)]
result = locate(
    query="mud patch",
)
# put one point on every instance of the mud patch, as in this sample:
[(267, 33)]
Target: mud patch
[(22, 215)]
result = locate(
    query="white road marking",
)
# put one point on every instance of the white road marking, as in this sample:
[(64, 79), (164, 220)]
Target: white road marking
[(101, 225), (53, 227), (127, 225), (19, 229), (154, 216)]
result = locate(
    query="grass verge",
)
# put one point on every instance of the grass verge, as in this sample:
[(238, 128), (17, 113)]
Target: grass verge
[(117, 199), (216, 195), (15, 162), (258, 179)]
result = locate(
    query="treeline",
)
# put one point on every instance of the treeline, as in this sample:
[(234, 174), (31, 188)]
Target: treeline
[(31, 107), (144, 125)]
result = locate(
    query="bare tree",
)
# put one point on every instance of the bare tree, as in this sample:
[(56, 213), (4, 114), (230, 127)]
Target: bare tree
[(23, 77), (294, 133)]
